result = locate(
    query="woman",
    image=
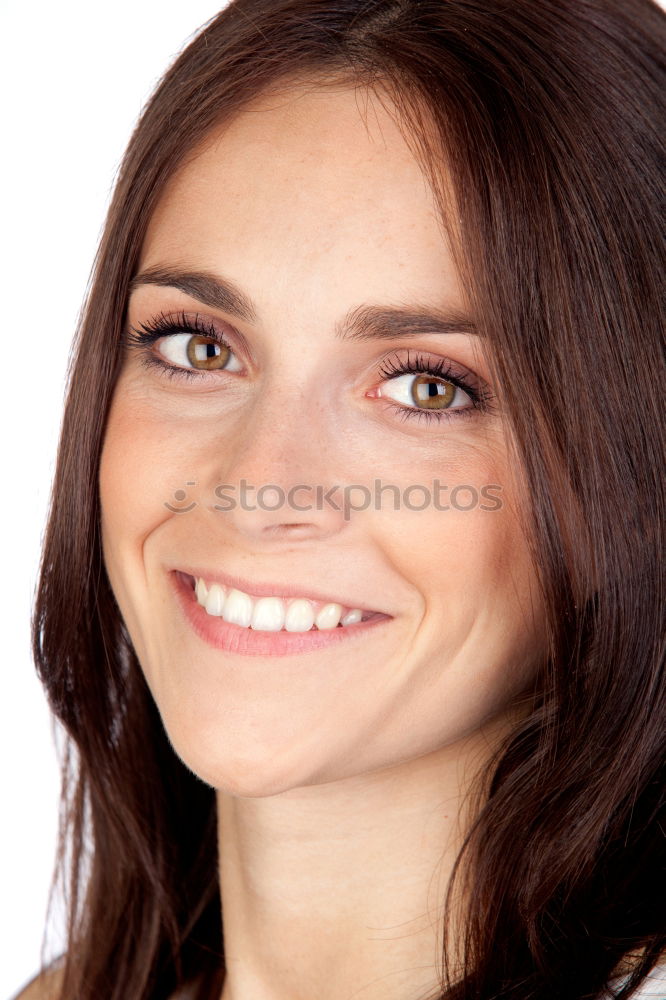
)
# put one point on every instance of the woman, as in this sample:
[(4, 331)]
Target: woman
[(351, 599)]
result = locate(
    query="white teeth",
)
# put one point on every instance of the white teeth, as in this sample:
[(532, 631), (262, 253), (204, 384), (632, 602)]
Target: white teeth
[(238, 608), (329, 616), (299, 617), (214, 602), (268, 614)]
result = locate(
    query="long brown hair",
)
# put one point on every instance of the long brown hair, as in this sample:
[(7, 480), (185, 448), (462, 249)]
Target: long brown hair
[(549, 117)]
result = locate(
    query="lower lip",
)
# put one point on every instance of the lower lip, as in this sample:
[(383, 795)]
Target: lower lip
[(236, 639)]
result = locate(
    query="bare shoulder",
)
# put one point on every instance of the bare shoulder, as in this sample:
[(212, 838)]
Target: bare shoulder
[(45, 986)]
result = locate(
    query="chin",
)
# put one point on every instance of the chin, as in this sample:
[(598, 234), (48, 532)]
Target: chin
[(255, 771)]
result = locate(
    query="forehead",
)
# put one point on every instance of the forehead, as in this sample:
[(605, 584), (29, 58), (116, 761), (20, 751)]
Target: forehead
[(311, 179)]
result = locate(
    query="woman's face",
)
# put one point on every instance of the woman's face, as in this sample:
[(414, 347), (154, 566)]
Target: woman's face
[(306, 239)]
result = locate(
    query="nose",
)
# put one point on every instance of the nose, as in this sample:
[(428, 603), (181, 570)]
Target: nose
[(275, 481)]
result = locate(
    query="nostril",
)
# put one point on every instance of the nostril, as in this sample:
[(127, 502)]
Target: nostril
[(297, 528)]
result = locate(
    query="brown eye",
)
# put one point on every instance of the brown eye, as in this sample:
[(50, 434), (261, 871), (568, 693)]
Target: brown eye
[(431, 393), (195, 352), (425, 391), (207, 354)]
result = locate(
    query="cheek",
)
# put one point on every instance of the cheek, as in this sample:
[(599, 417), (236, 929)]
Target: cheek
[(475, 649), (480, 631), (144, 471), (469, 566)]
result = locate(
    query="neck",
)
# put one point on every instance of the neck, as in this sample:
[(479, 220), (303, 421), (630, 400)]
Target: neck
[(337, 889)]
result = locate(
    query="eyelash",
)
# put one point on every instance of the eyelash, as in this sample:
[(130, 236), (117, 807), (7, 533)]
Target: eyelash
[(442, 369), (168, 325)]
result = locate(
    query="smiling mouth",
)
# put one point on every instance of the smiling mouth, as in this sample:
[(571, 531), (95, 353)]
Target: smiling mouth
[(272, 613)]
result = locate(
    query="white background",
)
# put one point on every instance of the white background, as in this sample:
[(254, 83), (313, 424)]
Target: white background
[(73, 76)]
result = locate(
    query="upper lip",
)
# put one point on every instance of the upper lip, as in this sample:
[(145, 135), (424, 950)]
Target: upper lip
[(284, 590)]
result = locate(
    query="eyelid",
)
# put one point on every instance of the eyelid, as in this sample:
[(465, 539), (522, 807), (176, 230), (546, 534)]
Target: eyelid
[(167, 324), (423, 362), (467, 392)]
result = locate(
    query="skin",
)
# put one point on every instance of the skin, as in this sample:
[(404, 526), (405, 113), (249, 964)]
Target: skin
[(341, 775)]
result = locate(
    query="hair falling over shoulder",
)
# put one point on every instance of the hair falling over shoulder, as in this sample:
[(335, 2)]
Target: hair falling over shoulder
[(549, 119)]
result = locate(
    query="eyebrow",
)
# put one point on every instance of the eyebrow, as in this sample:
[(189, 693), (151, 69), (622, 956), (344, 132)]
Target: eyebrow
[(360, 324)]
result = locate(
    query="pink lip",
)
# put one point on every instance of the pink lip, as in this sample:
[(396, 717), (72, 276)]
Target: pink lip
[(235, 639), (268, 589)]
